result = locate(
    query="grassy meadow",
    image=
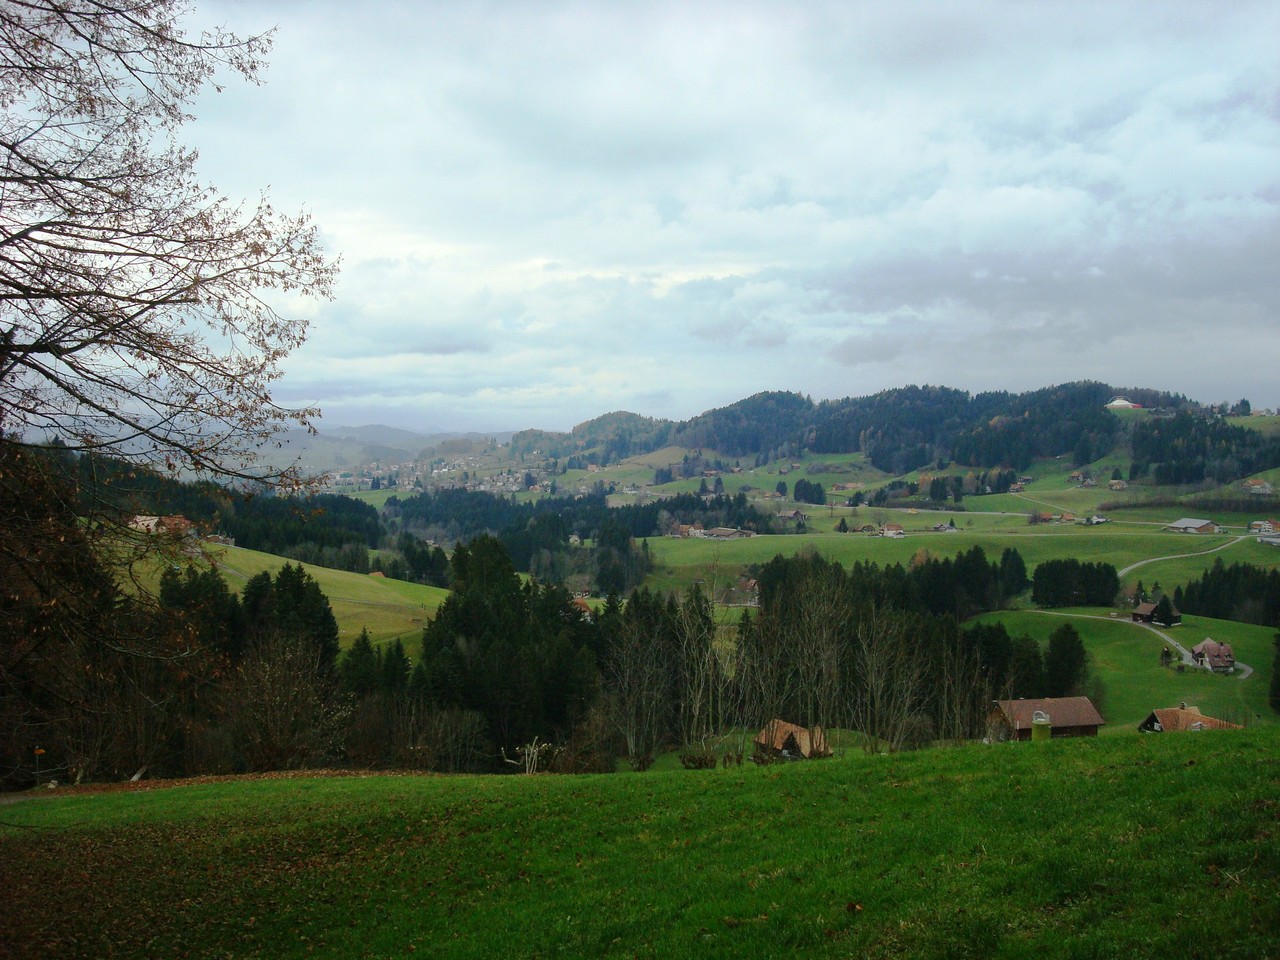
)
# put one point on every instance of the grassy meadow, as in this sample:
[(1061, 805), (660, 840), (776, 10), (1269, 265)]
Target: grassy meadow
[(679, 563), (1110, 847), (1126, 658), (388, 608)]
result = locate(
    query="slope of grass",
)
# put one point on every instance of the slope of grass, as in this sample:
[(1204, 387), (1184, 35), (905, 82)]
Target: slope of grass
[(1126, 657), (680, 562), (388, 608), (1114, 847)]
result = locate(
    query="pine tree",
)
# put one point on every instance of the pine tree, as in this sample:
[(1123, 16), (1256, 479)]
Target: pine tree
[(1066, 663)]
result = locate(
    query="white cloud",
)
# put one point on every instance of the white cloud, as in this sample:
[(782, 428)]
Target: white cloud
[(550, 211)]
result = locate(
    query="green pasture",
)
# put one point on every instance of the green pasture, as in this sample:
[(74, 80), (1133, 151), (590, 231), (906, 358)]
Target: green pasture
[(1126, 657), (1107, 847), (1267, 425), (679, 562), (379, 498), (387, 608)]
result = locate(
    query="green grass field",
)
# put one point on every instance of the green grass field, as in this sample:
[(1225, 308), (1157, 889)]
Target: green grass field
[(681, 562), (1126, 657), (388, 608), (1108, 847)]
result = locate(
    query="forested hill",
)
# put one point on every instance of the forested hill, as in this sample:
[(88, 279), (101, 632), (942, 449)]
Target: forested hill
[(899, 430)]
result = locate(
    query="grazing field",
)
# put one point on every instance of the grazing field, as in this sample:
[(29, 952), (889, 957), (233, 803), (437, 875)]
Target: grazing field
[(388, 608), (1110, 847), (680, 563), (1126, 657)]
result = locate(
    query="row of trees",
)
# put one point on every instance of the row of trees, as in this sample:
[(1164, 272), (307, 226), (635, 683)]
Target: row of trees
[(1073, 583)]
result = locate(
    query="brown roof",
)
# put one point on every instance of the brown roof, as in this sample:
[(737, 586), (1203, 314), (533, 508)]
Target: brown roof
[(1216, 654), (776, 733), (1062, 711), (1177, 719)]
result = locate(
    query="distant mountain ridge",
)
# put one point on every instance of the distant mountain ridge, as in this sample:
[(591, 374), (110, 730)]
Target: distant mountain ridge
[(899, 429)]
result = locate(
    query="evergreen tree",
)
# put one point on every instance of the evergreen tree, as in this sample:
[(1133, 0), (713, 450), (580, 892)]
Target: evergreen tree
[(358, 674), (1066, 663)]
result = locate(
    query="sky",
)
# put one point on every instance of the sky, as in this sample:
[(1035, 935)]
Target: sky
[(549, 211)]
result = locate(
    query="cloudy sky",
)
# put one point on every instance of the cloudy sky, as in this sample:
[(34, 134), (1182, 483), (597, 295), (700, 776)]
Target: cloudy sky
[(547, 211)]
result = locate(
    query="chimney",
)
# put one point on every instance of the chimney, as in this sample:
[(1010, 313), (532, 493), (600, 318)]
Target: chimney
[(1183, 705)]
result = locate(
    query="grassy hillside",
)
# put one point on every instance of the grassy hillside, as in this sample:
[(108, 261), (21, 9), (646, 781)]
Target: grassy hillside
[(1114, 847), (680, 562), (1127, 659), (388, 608)]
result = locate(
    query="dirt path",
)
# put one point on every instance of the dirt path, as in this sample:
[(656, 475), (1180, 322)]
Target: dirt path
[(1243, 670)]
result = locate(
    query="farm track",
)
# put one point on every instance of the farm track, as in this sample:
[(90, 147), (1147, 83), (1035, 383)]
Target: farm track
[(1180, 556), (1244, 670)]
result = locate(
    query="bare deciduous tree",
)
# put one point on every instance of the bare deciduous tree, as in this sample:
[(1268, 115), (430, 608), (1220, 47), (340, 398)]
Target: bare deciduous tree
[(136, 303), (636, 677), (887, 691)]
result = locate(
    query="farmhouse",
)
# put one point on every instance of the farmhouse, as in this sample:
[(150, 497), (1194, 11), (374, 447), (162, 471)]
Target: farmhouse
[(1117, 485), (1214, 656), (780, 740), (1259, 488), (1193, 525), (727, 533), (893, 530), (175, 526), (1069, 717), (685, 530), (1146, 613), (1264, 526), (1182, 719)]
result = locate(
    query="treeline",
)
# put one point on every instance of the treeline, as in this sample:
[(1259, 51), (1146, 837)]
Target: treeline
[(324, 529), (1072, 583), (536, 535), (1069, 419), (902, 429), (1187, 449), (1242, 592), (110, 685)]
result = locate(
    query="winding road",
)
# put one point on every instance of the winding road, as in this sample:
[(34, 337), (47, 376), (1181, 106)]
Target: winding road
[(1243, 670), (1179, 556)]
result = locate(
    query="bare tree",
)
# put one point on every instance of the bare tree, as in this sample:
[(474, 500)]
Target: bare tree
[(136, 304), (701, 679), (817, 645), (142, 314), (887, 690), (636, 678), (963, 690), (281, 711)]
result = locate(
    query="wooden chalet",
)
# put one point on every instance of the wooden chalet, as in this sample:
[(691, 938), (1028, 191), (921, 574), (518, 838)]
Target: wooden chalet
[(1182, 719), (1146, 613), (1068, 716), (780, 740), (175, 526)]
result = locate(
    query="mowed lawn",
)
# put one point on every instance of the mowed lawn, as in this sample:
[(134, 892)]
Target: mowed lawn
[(388, 608), (1109, 847)]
